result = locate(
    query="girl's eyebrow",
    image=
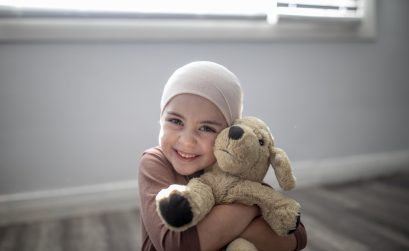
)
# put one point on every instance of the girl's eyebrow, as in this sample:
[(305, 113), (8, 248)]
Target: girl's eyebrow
[(210, 122), (174, 114)]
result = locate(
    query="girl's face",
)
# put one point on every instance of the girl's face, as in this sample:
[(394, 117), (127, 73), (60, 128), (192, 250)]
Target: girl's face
[(189, 126)]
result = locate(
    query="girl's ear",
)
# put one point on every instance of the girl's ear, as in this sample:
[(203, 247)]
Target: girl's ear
[(282, 168)]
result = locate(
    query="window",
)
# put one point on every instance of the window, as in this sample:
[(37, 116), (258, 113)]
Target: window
[(347, 10), (186, 20)]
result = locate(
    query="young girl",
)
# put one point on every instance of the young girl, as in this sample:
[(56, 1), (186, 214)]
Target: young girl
[(199, 100)]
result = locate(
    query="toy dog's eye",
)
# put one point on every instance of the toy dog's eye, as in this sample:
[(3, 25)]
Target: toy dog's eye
[(261, 142)]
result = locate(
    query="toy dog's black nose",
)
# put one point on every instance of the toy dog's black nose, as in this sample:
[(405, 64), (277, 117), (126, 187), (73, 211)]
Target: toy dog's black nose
[(235, 132)]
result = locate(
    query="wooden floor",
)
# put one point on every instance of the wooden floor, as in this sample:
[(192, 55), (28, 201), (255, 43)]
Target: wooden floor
[(360, 216), (370, 215)]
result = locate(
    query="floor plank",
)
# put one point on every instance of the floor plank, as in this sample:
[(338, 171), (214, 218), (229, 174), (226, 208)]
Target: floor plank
[(122, 230), (9, 237), (85, 233)]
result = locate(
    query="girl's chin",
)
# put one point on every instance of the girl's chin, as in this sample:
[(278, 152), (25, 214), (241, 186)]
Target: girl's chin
[(186, 169), (183, 171)]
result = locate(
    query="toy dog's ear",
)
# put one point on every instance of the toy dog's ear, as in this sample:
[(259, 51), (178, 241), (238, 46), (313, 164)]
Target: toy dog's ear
[(282, 168)]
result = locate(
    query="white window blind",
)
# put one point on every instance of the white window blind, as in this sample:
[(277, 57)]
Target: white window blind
[(321, 9), (184, 19)]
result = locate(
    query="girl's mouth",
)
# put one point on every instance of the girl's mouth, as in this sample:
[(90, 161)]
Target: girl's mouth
[(186, 156)]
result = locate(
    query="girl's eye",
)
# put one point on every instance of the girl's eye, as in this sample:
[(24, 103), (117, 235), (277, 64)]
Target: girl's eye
[(176, 121), (207, 129)]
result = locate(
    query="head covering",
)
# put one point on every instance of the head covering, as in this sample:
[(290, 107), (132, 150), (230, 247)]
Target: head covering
[(209, 80)]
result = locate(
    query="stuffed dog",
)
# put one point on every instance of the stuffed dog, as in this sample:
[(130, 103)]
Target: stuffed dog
[(244, 152)]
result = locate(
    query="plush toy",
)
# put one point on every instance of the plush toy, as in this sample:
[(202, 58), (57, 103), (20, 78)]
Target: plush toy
[(244, 152)]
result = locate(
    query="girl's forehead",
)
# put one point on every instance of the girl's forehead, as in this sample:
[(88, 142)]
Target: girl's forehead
[(194, 106)]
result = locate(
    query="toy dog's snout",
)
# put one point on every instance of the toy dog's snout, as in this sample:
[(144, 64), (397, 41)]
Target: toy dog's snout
[(235, 132)]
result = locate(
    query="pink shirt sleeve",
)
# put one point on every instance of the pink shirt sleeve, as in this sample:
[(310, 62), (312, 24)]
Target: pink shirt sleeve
[(156, 173)]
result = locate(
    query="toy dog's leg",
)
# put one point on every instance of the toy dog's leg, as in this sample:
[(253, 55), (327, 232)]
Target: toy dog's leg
[(241, 244), (280, 212), (181, 207)]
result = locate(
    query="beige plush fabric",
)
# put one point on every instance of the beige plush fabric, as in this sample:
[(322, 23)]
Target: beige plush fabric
[(211, 81)]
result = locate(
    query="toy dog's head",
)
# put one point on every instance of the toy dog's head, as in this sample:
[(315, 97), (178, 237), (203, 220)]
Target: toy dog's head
[(246, 149)]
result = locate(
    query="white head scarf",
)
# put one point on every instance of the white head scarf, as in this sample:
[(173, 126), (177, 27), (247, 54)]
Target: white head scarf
[(211, 81)]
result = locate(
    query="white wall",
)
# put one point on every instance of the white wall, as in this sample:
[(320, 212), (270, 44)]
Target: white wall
[(81, 114)]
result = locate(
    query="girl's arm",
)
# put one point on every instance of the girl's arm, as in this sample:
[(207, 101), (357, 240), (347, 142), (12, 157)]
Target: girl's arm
[(265, 239), (223, 224), (154, 174)]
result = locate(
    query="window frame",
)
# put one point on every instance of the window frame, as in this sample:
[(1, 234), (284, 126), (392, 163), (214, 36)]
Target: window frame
[(178, 30)]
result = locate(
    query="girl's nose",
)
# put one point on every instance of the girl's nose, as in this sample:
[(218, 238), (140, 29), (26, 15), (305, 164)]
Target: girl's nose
[(188, 138)]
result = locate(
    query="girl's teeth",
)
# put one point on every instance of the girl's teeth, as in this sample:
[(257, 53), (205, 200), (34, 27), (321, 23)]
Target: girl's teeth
[(186, 155)]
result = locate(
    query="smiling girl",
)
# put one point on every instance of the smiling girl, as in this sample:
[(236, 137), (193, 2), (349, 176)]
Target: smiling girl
[(199, 100)]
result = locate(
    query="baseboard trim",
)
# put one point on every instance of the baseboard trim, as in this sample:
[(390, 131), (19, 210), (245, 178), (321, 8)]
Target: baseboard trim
[(68, 202), (346, 169), (77, 201)]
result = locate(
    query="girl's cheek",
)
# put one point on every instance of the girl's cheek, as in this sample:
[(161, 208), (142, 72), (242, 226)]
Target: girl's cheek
[(210, 141)]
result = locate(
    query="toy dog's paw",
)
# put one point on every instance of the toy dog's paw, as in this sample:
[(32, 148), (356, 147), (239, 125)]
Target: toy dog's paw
[(296, 224), (285, 217), (174, 208), (290, 215)]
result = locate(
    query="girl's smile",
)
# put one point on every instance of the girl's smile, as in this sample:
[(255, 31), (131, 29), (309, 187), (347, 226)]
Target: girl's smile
[(186, 156)]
